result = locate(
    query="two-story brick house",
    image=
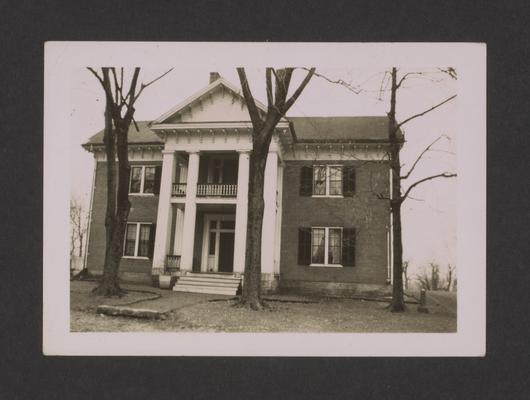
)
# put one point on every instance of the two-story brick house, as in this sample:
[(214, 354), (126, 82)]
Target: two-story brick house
[(324, 228)]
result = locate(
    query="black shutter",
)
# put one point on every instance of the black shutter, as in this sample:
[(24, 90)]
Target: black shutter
[(304, 246), (158, 176), (348, 247), (348, 181), (152, 234), (306, 181)]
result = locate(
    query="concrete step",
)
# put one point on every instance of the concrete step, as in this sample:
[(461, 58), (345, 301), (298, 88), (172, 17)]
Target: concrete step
[(209, 280), (204, 289), (219, 276), (208, 284), (226, 284)]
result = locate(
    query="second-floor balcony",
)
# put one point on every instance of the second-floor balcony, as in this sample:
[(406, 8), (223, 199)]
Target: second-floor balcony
[(206, 190), (216, 190)]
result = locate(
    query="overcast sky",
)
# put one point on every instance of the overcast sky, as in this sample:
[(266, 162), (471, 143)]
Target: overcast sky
[(429, 221)]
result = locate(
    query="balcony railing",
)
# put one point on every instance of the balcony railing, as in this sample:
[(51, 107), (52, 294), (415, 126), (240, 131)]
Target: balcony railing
[(216, 190), (172, 263), (179, 189)]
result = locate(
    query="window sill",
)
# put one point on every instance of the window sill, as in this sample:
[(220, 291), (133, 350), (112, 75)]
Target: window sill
[(336, 196), (141, 194), (135, 258), (325, 265)]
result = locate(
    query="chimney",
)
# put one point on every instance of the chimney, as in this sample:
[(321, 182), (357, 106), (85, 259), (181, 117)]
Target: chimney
[(214, 76)]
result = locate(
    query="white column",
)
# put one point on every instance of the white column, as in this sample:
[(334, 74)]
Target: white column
[(240, 237), (190, 212), (269, 214), (179, 223), (163, 219)]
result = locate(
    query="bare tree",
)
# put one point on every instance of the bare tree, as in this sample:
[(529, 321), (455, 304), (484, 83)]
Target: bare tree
[(396, 138), (429, 277), (406, 278), (450, 278), (263, 125), (78, 227), (119, 114)]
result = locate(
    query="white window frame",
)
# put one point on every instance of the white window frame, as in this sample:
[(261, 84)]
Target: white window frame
[(326, 245), (327, 166), (136, 240), (142, 180)]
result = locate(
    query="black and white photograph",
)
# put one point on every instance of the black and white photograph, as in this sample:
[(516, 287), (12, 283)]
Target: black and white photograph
[(264, 199)]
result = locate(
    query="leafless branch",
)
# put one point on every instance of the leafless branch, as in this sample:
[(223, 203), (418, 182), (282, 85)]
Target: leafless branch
[(425, 112), (298, 91), (449, 71), (442, 175), (349, 86), (268, 80), (146, 85), (100, 79), (249, 99), (420, 156)]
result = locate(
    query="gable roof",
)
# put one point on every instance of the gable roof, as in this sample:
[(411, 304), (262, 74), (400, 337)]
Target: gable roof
[(303, 129), (144, 136), (339, 129), (204, 92)]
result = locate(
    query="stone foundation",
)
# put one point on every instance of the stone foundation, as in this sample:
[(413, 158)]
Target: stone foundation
[(270, 283), (342, 289)]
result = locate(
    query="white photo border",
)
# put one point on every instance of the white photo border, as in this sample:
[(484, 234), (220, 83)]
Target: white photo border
[(469, 59)]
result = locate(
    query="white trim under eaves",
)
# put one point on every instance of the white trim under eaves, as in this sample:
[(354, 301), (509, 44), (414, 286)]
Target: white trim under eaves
[(211, 125)]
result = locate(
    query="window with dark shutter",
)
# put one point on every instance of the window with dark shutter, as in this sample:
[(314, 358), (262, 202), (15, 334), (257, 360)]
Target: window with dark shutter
[(152, 235), (348, 247), (304, 246), (306, 181), (348, 181), (158, 176)]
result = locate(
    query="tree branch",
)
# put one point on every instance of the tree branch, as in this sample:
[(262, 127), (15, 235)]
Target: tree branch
[(298, 91), (268, 80), (100, 79), (420, 156), (146, 85), (443, 175), (425, 112), (249, 99), (349, 86)]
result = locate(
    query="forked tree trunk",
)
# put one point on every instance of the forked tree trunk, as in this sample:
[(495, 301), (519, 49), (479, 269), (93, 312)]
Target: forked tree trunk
[(262, 132), (118, 207)]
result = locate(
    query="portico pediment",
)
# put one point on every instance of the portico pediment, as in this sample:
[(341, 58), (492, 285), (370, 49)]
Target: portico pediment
[(218, 102)]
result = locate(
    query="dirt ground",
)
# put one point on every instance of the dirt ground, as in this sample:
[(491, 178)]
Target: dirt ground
[(217, 313)]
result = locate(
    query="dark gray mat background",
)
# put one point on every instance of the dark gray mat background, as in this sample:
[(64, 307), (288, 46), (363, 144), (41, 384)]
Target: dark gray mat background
[(26, 374)]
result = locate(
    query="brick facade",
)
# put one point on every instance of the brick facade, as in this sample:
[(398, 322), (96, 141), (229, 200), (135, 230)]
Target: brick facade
[(143, 209), (364, 211)]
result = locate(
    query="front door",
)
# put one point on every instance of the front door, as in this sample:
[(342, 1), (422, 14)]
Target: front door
[(226, 252), (218, 243)]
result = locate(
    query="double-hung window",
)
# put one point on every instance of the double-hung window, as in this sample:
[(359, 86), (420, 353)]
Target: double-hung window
[(327, 181), (326, 246), (321, 246), (138, 240), (143, 179)]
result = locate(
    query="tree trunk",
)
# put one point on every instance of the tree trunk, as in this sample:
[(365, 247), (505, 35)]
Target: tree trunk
[(117, 209), (251, 295), (398, 302), (80, 248)]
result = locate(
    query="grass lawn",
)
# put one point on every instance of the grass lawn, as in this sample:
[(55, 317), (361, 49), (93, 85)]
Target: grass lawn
[(211, 313)]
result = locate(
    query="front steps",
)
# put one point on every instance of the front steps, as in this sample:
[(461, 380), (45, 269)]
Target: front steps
[(226, 284)]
